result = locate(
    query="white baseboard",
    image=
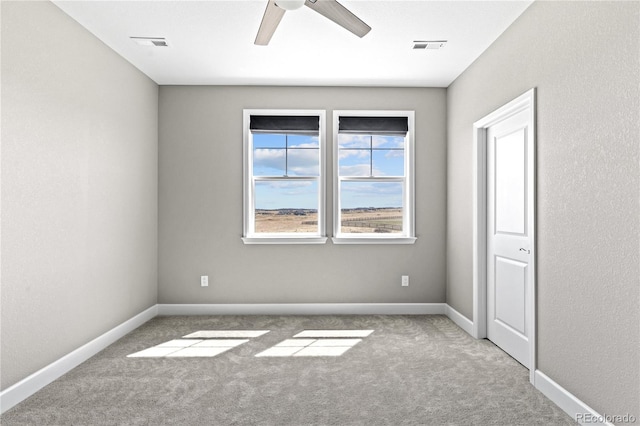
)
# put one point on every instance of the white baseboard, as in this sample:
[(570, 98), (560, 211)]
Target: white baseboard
[(304, 309), (460, 320), (36, 381), (578, 410)]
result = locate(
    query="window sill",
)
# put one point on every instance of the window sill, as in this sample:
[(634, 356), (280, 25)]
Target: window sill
[(284, 240), (373, 240)]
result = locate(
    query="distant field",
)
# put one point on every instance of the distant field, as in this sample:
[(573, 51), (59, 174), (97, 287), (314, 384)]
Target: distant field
[(372, 221), (268, 221), (364, 220)]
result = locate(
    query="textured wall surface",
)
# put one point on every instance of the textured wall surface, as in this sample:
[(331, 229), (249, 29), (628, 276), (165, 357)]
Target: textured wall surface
[(584, 60), (200, 205), (79, 188)]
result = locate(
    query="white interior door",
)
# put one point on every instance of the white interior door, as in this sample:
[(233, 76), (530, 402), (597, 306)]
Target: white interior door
[(510, 234)]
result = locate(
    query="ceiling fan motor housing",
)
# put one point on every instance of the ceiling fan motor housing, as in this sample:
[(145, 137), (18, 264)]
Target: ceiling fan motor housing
[(290, 4)]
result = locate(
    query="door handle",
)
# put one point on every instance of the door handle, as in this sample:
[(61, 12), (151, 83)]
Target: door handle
[(524, 249)]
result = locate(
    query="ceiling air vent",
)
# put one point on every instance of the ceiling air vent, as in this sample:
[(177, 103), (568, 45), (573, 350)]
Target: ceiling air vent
[(430, 45), (150, 41)]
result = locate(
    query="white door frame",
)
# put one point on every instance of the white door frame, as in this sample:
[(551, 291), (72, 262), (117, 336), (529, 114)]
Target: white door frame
[(521, 103)]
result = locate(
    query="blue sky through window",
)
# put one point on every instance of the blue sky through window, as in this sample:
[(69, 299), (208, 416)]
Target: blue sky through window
[(355, 195), (367, 155), (272, 195), (370, 156), (298, 155), (285, 155), (279, 155)]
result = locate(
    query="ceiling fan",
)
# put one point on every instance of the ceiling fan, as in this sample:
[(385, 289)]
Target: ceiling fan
[(328, 8)]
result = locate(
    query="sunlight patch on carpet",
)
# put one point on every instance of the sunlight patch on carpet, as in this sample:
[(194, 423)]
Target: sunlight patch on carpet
[(209, 344), (323, 343), (310, 347)]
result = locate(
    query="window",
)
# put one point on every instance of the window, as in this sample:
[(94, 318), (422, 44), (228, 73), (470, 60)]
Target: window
[(284, 176), (373, 177)]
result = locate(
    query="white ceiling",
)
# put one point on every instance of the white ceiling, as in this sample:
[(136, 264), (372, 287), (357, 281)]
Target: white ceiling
[(211, 42)]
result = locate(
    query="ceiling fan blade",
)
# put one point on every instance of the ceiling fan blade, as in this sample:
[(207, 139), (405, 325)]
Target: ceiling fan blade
[(340, 15), (272, 16)]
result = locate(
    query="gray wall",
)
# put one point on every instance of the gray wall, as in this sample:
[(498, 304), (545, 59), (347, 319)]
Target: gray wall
[(79, 188), (583, 58), (200, 205)]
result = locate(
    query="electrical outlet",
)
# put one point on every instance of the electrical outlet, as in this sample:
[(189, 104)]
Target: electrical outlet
[(405, 281), (204, 281)]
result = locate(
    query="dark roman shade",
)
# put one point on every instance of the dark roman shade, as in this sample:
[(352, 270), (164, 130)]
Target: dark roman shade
[(384, 125), (284, 123)]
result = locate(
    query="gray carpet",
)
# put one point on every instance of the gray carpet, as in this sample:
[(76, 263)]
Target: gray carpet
[(413, 370)]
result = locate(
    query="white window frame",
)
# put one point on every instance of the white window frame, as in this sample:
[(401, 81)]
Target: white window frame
[(248, 235), (408, 235)]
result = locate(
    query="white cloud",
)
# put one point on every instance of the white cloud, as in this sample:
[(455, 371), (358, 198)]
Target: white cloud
[(353, 141), (305, 145), (372, 188), (394, 154), (346, 153), (355, 170), (290, 188), (304, 162), (284, 184), (301, 162), (388, 141), (270, 158), (304, 141)]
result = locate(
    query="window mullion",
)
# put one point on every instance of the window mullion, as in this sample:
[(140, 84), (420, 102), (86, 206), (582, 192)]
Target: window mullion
[(285, 178), (371, 155), (372, 178)]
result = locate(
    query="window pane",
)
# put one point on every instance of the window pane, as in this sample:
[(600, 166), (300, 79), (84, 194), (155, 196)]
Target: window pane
[(286, 206), (371, 207), (354, 162), (387, 162), (303, 162), (381, 141), (303, 141), (269, 162), (286, 155), (269, 140), (304, 154), (354, 141)]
